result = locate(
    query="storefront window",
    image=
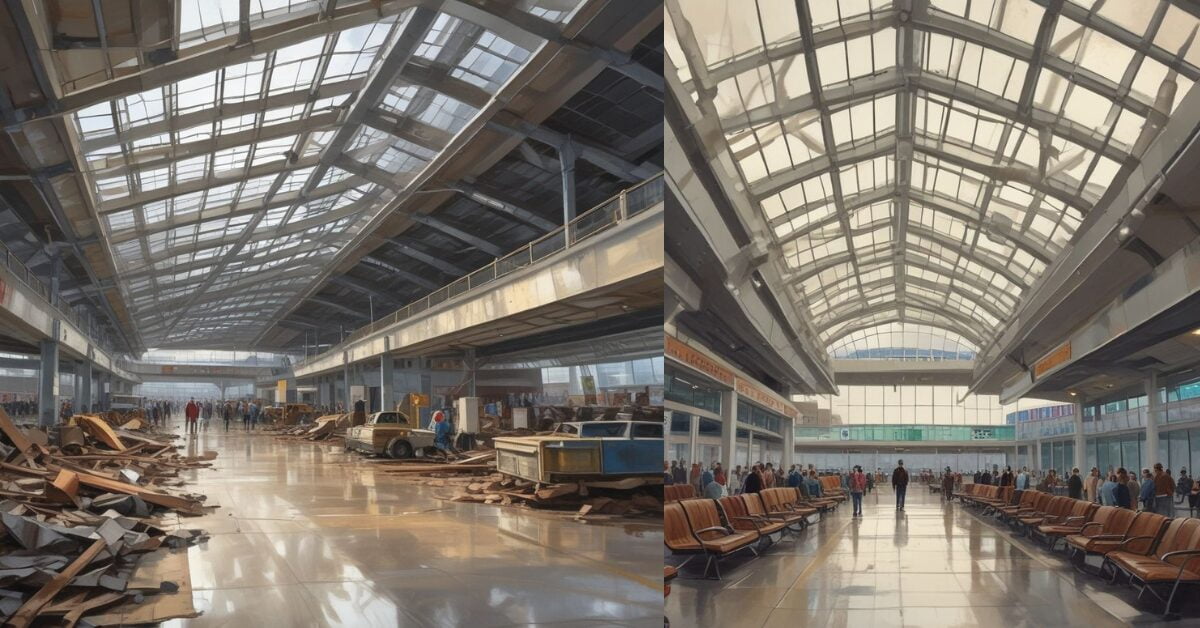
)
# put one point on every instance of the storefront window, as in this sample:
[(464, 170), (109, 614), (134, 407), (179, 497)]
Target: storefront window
[(689, 390)]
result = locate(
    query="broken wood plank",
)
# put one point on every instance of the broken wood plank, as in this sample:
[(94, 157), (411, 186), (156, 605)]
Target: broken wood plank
[(29, 610), (64, 488), (15, 435), (555, 491), (100, 430)]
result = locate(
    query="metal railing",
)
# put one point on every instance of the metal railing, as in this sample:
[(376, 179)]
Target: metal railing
[(80, 319), (1178, 412), (628, 203)]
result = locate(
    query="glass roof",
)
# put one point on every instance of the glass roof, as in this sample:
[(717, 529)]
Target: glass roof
[(924, 162), (225, 194)]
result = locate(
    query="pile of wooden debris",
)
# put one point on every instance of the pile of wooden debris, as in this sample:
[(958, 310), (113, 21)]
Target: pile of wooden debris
[(473, 478), (80, 516), (325, 427)]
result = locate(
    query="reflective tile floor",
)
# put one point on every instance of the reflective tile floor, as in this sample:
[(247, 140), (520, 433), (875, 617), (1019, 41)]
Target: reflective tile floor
[(308, 535), (930, 565)]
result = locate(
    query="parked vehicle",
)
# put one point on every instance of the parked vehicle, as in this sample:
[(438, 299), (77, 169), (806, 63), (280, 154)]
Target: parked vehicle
[(389, 433)]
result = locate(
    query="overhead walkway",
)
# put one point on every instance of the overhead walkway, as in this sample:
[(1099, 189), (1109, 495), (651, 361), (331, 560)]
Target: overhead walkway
[(33, 323), (605, 263)]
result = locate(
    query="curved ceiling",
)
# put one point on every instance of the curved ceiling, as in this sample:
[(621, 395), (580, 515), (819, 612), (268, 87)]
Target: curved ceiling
[(924, 161)]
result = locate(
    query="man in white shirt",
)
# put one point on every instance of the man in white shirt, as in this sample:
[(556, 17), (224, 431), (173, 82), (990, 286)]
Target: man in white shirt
[(1022, 479)]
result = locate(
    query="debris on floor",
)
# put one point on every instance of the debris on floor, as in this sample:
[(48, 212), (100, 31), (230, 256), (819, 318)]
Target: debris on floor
[(79, 512), (324, 428)]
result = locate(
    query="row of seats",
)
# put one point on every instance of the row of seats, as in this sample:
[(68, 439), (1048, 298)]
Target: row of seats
[(716, 529), (830, 484), (676, 492), (1152, 552)]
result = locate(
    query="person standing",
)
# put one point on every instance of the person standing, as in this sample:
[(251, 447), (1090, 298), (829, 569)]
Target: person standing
[(858, 484), (1092, 485), (753, 482), (1007, 478), (1022, 479), (1075, 485), (1163, 487), (1125, 496), (245, 409), (1146, 492), (227, 414), (253, 415), (900, 483), (192, 414)]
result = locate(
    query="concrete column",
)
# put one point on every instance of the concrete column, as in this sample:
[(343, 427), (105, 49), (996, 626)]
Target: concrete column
[(789, 445), (346, 393), (472, 373), (76, 388), (88, 401), (566, 160), (729, 401), (48, 384), (1037, 456), (1153, 407), (387, 382), (693, 437), (1080, 441), (750, 448)]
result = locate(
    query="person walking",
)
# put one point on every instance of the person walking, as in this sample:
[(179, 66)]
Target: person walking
[(1164, 486), (900, 483), (192, 413), (858, 484), (245, 410), (227, 413), (1125, 496), (947, 485)]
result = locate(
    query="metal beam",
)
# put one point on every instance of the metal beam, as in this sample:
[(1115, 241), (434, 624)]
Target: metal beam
[(221, 52), (364, 287), (504, 207), (459, 234), (411, 250), (595, 155), (406, 274), (339, 307)]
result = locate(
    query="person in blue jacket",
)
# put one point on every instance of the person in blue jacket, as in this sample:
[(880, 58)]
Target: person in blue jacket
[(1146, 495), (443, 433)]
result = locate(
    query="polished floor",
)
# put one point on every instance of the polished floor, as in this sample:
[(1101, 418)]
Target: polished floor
[(929, 565), (308, 535)]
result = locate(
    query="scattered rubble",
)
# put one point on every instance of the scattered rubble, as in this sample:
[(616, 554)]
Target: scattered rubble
[(79, 509)]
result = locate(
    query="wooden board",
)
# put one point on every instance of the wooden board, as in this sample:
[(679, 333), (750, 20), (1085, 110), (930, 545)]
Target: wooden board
[(100, 430)]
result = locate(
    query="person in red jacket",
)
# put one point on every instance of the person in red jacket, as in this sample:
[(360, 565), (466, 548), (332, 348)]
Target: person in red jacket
[(192, 413)]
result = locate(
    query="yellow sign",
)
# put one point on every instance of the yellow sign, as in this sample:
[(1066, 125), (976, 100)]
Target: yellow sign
[(281, 391), (1060, 355)]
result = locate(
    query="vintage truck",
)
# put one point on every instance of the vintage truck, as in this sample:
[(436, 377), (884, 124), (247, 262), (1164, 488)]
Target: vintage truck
[(389, 433), (584, 450)]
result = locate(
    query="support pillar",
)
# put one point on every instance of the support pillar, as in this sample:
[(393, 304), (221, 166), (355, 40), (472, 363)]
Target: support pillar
[(694, 438), (472, 372), (88, 401), (346, 393), (48, 384), (1153, 408), (789, 446), (77, 388), (1080, 441), (387, 382), (566, 161), (1037, 456), (729, 401)]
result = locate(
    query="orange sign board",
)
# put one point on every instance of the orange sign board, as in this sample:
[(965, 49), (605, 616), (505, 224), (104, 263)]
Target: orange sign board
[(1060, 355), (684, 354), (752, 392)]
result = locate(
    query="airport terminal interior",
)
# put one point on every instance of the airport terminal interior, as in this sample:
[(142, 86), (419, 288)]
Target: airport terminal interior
[(331, 312), (956, 237)]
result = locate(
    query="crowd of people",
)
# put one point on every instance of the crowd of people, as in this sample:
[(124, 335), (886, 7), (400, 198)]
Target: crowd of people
[(198, 414), (1156, 490)]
